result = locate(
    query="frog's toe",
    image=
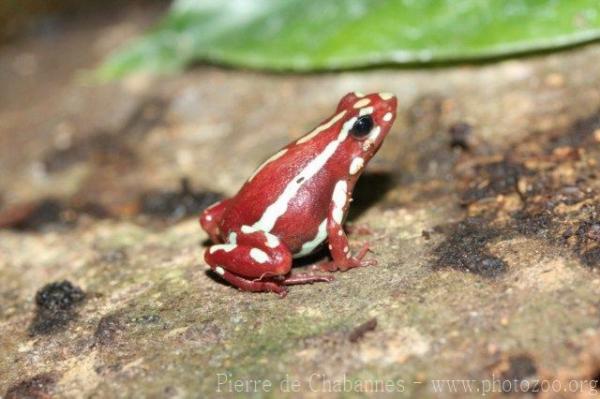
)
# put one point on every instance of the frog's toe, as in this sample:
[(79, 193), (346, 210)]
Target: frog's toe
[(324, 267)]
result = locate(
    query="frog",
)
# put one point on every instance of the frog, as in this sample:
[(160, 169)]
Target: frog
[(297, 200)]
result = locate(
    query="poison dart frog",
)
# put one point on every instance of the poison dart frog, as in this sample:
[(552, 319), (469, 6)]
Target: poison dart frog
[(297, 200)]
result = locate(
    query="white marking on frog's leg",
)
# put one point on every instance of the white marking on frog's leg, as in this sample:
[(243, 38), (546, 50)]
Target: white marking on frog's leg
[(208, 218), (339, 193), (219, 270), (272, 241), (362, 103), (279, 207), (346, 249), (340, 232), (340, 197), (358, 94), (248, 229), (222, 247), (366, 111), (385, 96), (338, 215), (387, 117), (321, 128), (268, 161), (233, 238), (310, 246), (356, 165), (258, 255)]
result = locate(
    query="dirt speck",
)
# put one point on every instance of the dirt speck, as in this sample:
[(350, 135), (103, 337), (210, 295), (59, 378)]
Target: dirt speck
[(518, 368), (492, 179), (175, 205), (109, 329), (47, 214), (461, 135), (578, 135), (587, 246), (465, 248), (37, 387), (359, 332), (56, 303)]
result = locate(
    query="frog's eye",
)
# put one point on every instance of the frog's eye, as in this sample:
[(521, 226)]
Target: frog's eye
[(362, 127)]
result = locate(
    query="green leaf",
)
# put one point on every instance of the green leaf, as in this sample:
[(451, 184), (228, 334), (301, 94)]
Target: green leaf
[(307, 35)]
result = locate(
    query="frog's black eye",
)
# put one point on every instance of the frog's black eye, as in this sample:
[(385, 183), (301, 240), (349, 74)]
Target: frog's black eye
[(362, 127)]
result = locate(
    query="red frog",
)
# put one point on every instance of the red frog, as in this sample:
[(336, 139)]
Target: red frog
[(297, 200)]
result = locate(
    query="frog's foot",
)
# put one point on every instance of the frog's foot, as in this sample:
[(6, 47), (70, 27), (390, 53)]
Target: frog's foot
[(348, 262), (271, 285), (252, 285), (359, 229)]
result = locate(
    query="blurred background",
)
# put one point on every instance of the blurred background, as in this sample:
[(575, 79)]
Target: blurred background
[(121, 121)]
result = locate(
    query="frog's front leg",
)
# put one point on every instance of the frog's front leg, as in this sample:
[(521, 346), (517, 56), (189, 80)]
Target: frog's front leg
[(338, 241), (210, 218), (254, 260)]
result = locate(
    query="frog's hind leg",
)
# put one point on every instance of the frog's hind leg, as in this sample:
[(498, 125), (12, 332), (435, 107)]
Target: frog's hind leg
[(251, 285), (210, 218), (254, 260)]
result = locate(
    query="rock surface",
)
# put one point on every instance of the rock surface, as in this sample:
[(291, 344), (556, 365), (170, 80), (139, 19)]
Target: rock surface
[(482, 205)]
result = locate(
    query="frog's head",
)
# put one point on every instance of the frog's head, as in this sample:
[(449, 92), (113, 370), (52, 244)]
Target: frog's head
[(368, 119)]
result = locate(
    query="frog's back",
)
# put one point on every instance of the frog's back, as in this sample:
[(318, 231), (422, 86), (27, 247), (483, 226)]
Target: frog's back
[(287, 189)]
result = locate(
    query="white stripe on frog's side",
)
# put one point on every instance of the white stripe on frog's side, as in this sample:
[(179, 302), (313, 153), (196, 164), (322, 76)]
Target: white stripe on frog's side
[(279, 207), (268, 161), (310, 246), (340, 196), (321, 128)]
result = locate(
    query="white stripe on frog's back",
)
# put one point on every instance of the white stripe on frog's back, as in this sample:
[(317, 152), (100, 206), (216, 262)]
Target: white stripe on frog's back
[(321, 128), (279, 207), (301, 140), (268, 161)]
